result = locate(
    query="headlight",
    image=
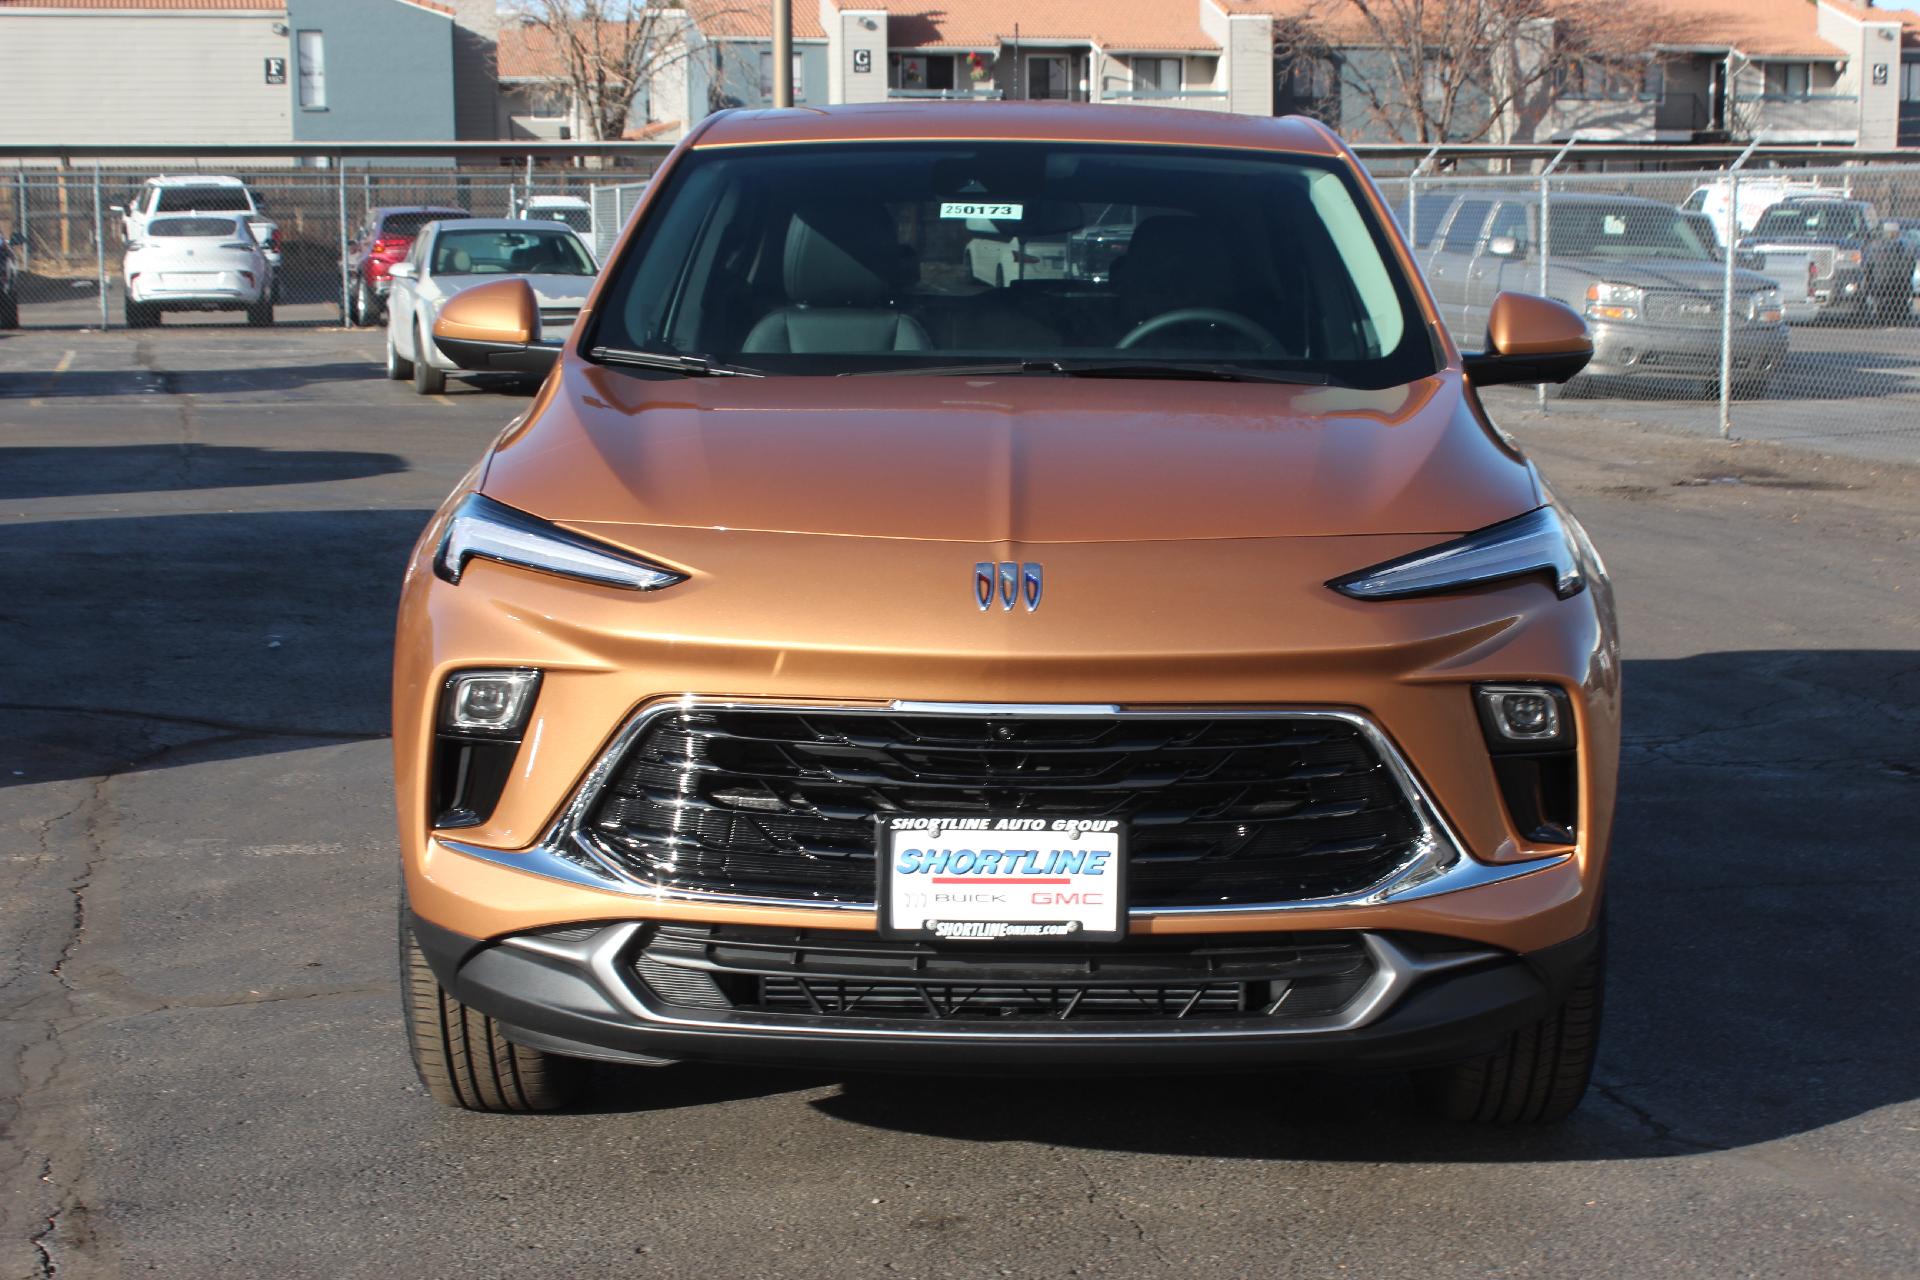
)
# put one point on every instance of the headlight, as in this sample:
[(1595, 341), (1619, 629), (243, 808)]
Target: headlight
[(494, 531), (1764, 307), (1541, 541), (1615, 301)]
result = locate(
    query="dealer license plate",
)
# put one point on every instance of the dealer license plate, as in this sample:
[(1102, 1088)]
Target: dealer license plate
[(960, 879)]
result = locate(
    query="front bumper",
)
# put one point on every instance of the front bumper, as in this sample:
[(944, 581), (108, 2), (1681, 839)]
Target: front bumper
[(581, 997), (1645, 350)]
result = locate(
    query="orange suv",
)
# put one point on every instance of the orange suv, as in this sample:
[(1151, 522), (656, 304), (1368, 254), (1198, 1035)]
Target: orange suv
[(853, 662)]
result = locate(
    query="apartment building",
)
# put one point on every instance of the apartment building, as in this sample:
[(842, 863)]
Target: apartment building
[(244, 71)]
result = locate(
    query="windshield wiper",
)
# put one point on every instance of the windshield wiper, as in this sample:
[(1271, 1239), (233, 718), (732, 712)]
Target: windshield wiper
[(691, 366), (1195, 372), (986, 368), (1191, 372)]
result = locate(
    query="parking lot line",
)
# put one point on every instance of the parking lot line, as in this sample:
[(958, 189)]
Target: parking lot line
[(442, 400), (65, 362)]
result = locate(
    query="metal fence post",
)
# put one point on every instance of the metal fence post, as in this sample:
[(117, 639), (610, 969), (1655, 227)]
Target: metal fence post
[(1732, 249), (99, 245), (26, 235), (1413, 196), (340, 164), (1546, 237)]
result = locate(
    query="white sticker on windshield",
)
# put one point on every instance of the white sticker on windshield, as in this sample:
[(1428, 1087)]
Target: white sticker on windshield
[(1614, 225), (997, 212)]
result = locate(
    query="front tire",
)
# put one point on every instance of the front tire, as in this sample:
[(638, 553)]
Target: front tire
[(399, 368), (1538, 1074), (366, 306), (462, 1058), (427, 380)]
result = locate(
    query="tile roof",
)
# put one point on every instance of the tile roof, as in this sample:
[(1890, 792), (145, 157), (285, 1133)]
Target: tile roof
[(753, 19), (527, 53), (988, 24)]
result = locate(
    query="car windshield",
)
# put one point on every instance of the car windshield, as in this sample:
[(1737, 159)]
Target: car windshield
[(887, 257), (200, 228), (486, 253), (405, 226), (1596, 229), (578, 219), (1811, 220), (202, 199)]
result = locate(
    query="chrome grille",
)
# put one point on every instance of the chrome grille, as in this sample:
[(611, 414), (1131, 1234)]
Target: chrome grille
[(1219, 810)]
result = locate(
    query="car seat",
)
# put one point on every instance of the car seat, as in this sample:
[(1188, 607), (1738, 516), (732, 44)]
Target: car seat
[(840, 271)]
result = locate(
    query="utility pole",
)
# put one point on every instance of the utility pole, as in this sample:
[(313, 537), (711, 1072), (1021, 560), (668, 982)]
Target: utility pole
[(782, 53)]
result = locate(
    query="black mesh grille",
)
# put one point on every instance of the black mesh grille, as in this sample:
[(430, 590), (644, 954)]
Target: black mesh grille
[(1280, 978), (1218, 810)]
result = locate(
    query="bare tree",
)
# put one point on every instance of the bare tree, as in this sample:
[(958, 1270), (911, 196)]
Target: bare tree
[(1465, 70), (605, 53)]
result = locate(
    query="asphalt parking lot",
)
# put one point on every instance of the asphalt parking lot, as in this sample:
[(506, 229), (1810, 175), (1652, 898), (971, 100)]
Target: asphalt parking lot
[(201, 531)]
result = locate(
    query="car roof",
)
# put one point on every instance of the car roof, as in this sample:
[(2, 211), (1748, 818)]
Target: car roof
[(382, 211), (569, 201), (194, 180), (505, 224), (1566, 197), (1015, 121)]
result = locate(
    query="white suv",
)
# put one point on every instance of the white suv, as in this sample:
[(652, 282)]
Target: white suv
[(201, 193)]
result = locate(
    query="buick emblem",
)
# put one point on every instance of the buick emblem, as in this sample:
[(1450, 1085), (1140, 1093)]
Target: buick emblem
[(1009, 581)]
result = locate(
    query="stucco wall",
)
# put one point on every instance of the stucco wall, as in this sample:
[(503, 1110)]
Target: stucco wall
[(106, 77), (389, 72)]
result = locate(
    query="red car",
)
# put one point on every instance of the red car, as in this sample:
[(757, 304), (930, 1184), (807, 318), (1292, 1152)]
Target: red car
[(380, 242)]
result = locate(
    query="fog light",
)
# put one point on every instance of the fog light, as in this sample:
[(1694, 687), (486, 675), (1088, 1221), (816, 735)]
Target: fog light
[(1521, 713), (489, 703)]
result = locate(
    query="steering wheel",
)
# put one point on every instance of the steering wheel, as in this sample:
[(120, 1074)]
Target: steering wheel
[(1198, 315)]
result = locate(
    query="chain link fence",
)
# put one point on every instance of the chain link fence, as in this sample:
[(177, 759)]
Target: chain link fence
[(1754, 302), (69, 227)]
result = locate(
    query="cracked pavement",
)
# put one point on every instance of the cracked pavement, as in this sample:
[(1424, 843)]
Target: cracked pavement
[(201, 1064)]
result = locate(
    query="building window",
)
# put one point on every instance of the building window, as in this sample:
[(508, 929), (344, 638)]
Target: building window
[(919, 72), (313, 71), (1599, 82), (1910, 82), (1156, 75), (1308, 86), (1048, 77), (766, 77), (1789, 80)]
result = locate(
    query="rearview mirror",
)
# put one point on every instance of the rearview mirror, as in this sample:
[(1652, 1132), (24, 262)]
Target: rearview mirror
[(404, 271), (494, 327), (1530, 339)]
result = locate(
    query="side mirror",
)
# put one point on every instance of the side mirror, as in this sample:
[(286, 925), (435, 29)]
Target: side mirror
[(118, 208), (494, 327), (1530, 339), (1504, 247), (1890, 229), (404, 271)]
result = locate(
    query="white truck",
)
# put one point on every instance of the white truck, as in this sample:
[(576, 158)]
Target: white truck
[(1759, 192)]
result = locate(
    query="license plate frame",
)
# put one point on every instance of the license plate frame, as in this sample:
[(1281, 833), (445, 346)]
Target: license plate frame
[(1027, 863)]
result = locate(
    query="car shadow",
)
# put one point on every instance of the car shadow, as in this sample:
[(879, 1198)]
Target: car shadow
[(70, 471), (125, 639), (75, 384), (1761, 917)]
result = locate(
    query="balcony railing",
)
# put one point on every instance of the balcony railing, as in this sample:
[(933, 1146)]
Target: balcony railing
[(1214, 98), (980, 92), (1816, 117)]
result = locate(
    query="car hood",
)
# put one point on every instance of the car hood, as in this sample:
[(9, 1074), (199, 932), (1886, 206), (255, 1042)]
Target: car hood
[(1656, 273), (549, 291), (1030, 459)]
